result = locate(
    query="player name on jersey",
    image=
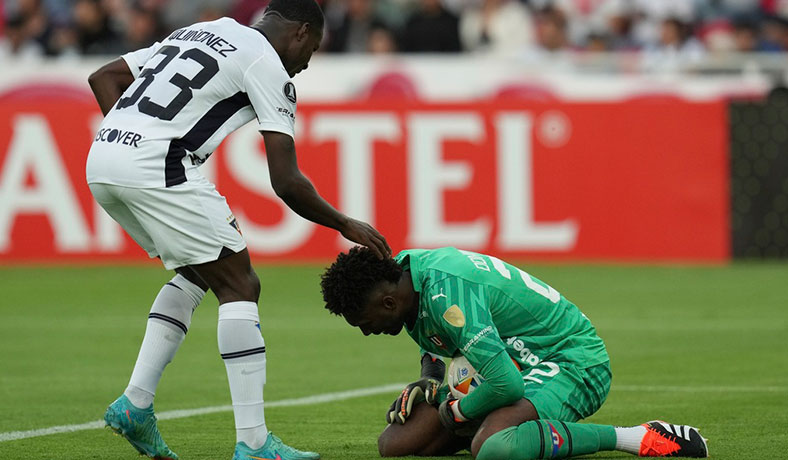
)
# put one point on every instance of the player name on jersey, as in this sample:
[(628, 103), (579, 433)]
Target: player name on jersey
[(215, 42)]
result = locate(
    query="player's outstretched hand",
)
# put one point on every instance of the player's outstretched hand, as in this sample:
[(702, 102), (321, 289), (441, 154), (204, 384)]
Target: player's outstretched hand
[(425, 389), (366, 235)]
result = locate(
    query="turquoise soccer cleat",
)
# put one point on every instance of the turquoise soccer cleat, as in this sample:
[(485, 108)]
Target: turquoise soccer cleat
[(273, 449), (139, 428)]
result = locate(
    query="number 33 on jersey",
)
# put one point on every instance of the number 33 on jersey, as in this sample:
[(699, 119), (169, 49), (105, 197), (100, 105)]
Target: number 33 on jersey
[(190, 91)]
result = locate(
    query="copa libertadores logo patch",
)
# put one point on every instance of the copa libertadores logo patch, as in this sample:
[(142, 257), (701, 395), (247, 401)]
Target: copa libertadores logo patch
[(454, 316), (290, 92)]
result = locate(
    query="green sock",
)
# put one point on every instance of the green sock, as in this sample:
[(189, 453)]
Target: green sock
[(540, 439)]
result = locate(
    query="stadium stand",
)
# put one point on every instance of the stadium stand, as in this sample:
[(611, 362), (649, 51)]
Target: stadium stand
[(659, 30)]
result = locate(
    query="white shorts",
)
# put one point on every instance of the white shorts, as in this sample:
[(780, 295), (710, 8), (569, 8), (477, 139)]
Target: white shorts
[(188, 224)]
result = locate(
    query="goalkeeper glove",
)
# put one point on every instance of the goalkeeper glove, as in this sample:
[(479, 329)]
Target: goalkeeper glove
[(425, 389), (453, 420)]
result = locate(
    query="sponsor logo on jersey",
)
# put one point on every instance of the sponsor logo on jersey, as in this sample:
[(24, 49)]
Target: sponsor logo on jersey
[(558, 441), (454, 316), (118, 136), (476, 338), (526, 356), (438, 296), (286, 112), (290, 92), (437, 341)]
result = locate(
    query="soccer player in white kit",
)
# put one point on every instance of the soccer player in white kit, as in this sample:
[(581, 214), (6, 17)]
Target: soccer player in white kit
[(167, 107)]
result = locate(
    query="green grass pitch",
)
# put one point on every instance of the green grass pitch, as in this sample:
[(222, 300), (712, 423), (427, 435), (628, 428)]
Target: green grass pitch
[(699, 345)]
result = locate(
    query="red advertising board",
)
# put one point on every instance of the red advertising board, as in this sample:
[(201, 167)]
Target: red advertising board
[(637, 181)]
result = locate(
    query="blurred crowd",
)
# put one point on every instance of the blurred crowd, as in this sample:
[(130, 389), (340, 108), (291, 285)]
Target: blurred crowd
[(658, 29)]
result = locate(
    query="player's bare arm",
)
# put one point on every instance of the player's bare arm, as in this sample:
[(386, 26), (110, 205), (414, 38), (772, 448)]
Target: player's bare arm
[(109, 82), (300, 195)]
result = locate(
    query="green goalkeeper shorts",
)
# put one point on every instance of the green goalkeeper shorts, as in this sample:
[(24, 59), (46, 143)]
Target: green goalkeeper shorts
[(570, 394)]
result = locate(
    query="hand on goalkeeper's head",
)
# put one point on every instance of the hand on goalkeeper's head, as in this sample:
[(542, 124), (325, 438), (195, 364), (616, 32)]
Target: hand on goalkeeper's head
[(424, 389)]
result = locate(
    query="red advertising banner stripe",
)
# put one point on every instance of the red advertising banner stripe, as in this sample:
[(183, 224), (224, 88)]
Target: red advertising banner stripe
[(633, 180)]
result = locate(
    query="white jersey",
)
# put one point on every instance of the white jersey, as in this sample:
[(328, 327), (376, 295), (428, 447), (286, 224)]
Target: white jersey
[(190, 91)]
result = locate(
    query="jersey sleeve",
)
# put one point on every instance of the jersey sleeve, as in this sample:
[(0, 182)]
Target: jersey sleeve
[(502, 386), (137, 59), (461, 312), (273, 97)]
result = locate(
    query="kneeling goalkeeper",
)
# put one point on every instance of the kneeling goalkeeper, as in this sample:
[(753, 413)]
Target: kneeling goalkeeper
[(545, 368)]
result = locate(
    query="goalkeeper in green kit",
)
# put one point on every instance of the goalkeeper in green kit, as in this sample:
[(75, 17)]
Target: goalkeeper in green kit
[(543, 364)]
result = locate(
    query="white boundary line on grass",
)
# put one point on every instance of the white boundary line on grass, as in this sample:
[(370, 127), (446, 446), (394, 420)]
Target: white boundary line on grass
[(173, 414), (361, 392)]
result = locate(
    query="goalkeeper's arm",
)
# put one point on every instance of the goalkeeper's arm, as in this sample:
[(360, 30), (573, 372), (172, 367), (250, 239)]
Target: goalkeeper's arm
[(502, 386), (424, 389)]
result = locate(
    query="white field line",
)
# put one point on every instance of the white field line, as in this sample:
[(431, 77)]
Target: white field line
[(173, 414), (361, 392)]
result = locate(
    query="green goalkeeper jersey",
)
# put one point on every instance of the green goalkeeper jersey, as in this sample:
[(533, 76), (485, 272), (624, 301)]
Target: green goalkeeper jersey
[(477, 305)]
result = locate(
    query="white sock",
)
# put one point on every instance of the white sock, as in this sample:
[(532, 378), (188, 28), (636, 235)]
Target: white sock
[(628, 439), (243, 350), (168, 322)]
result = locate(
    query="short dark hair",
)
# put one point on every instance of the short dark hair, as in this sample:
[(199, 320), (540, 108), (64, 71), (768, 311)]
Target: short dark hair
[(298, 10), (349, 280)]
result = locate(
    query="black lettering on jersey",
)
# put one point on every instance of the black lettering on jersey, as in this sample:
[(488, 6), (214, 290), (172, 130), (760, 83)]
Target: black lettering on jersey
[(202, 36), (226, 48), (176, 34), (189, 34), (219, 45), (213, 41), (118, 136), (231, 49), (197, 161), (285, 112)]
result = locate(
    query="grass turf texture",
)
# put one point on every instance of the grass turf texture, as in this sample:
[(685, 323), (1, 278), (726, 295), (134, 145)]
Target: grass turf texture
[(69, 337)]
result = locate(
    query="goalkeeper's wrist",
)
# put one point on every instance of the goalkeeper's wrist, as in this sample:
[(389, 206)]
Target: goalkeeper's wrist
[(458, 415)]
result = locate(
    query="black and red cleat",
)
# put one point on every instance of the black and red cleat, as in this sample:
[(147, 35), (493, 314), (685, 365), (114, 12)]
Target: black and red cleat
[(667, 440)]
